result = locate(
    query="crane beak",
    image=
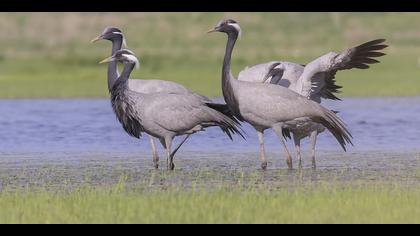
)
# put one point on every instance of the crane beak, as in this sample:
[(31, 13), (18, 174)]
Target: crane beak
[(106, 60), (273, 71), (212, 31), (270, 74), (96, 39)]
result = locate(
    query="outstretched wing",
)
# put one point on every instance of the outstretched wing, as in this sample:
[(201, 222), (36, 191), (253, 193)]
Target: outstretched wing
[(324, 86), (318, 77)]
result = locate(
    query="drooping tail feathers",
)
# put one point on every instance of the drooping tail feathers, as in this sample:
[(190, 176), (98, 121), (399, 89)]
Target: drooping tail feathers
[(286, 132), (229, 124), (224, 109), (336, 126)]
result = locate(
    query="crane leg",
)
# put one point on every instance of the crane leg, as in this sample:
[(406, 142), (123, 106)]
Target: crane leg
[(289, 157), (296, 139), (262, 149), (154, 152), (313, 138), (169, 160), (278, 131), (179, 145)]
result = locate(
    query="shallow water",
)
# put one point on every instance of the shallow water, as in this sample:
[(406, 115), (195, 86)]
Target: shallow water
[(80, 141), (209, 170), (78, 125)]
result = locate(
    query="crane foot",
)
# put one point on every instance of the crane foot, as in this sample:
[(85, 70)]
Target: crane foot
[(289, 164), (171, 166), (300, 164)]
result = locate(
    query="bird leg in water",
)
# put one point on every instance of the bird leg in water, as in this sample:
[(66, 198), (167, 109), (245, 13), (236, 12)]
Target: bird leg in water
[(169, 161), (313, 137), (154, 152), (279, 131), (262, 149), (183, 141), (168, 145), (296, 139), (289, 157)]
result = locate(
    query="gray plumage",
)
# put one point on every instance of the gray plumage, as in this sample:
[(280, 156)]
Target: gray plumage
[(164, 115), (266, 106), (316, 80), (118, 40)]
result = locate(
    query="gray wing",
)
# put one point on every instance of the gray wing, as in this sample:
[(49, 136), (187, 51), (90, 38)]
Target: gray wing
[(184, 112), (176, 112), (324, 86), (280, 104), (318, 77), (275, 105), (161, 86), (156, 86)]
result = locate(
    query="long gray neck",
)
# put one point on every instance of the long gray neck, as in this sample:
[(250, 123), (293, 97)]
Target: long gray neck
[(228, 79), (226, 70), (125, 74), (123, 104), (121, 83), (113, 66)]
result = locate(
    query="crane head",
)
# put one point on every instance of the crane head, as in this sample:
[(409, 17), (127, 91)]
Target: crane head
[(111, 34), (123, 55), (227, 26)]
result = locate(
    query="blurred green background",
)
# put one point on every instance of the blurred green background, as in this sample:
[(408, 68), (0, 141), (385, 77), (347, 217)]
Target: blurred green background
[(49, 54)]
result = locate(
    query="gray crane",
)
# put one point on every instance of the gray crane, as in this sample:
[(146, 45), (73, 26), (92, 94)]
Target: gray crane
[(315, 80), (164, 115), (118, 40), (266, 106)]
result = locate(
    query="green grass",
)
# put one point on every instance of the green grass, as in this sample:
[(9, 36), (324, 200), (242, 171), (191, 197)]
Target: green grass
[(56, 60), (317, 204), (116, 193)]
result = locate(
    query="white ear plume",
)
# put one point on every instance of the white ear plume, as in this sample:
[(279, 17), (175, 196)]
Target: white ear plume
[(237, 27), (124, 40), (134, 59)]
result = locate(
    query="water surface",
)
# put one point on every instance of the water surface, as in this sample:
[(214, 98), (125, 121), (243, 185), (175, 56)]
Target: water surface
[(89, 125), (79, 140)]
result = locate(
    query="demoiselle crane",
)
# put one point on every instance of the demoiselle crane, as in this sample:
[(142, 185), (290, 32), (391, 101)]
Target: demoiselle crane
[(315, 80), (118, 40), (266, 106), (164, 115)]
